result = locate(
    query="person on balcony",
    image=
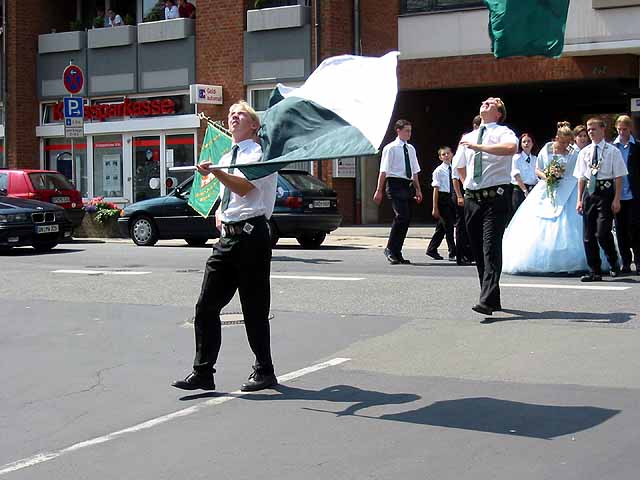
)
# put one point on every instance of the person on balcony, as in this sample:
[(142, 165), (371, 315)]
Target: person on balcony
[(170, 10), (186, 9), (113, 19)]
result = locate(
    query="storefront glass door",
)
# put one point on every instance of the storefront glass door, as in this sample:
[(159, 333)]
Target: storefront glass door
[(146, 168), (180, 152)]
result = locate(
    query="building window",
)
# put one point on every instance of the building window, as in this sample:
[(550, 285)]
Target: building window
[(68, 159), (107, 166), (179, 152), (3, 162), (418, 6)]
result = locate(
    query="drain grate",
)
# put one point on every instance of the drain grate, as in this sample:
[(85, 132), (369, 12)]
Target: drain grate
[(227, 319)]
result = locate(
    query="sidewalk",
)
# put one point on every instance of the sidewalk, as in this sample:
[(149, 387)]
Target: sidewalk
[(373, 236)]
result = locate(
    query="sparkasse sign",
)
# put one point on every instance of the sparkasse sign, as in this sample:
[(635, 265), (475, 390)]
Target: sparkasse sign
[(211, 94), (128, 108)]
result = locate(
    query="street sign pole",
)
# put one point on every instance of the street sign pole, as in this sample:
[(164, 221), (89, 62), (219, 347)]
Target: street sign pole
[(73, 81)]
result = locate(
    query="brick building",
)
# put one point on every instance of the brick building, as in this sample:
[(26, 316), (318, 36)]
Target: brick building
[(138, 76)]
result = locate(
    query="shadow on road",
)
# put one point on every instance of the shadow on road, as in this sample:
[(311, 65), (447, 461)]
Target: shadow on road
[(323, 247), (580, 317), (30, 252), (315, 261), (494, 415)]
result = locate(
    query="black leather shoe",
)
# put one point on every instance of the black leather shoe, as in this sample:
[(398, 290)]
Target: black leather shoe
[(482, 308), (403, 260), (259, 381), (625, 269), (393, 260), (434, 255), (591, 277), (452, 258), (614, 272), (195, 381)]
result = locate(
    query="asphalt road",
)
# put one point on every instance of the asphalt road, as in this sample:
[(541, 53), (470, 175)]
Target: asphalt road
[(405, 380)]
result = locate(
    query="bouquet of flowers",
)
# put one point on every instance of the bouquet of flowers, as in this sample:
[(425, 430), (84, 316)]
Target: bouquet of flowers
[(553, 174), (102, 210)]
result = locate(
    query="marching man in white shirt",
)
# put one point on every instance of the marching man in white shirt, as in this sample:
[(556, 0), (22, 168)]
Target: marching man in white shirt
[(241, 260), (399, 170), (599, 170), (443, 206), (487, 182)]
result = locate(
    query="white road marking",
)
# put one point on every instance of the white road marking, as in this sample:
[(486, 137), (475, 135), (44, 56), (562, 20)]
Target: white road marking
[(100, 272), (46, 456), (563, 287), (311, 277)]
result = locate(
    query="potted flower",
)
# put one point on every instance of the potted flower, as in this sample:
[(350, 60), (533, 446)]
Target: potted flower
[(101, 220)]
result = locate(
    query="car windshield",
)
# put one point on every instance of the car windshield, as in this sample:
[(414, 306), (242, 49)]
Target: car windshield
[(304, 181), (49, 181)]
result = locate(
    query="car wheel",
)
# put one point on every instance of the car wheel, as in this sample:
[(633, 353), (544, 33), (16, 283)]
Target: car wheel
[(196, 241), (311, 240), (44, 246), (143, 231), (273, 232)]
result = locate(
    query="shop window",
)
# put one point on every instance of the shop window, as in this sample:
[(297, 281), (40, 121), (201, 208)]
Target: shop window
[(418, 6), (146, 158), (180, 152), (107, 166), (69, 159), (3, 162)]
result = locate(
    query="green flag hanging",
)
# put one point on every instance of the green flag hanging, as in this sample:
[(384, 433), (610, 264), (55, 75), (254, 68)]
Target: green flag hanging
[(527, 27), (205, 190)]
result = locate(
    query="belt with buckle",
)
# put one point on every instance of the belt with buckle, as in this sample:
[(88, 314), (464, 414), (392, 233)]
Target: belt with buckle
[(234, 229), (485, 194), (604, 184)]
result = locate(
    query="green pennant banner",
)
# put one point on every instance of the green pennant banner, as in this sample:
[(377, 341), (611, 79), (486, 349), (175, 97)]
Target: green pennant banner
[(205, 189)]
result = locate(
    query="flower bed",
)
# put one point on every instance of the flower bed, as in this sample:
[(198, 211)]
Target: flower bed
[(101, 220)]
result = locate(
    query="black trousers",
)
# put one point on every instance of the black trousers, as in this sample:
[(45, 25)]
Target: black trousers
[(445, 225), (598, 220), (241, 263), (400, 192), (517, 197), (627, 223), (486, 221)]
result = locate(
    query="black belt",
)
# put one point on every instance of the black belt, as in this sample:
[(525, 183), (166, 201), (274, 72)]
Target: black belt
[(403, 181), (485, 194), (233, 229), (605, 184)]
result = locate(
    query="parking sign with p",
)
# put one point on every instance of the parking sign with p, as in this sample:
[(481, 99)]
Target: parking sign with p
[(73, 107)]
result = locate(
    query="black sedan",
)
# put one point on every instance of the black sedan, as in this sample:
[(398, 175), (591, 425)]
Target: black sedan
[(40, 225), (305, 209)]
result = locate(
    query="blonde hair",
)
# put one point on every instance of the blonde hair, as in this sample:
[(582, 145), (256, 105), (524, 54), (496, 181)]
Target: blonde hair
[(579, 129), (501, 108), (624, 120), (564, 130), (243, 106), (597, 121)]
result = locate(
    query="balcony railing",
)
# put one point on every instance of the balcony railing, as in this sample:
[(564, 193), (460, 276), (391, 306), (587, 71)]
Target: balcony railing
[(421, 6)]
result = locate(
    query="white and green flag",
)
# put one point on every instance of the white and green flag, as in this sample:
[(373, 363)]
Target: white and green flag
[(342, 110)]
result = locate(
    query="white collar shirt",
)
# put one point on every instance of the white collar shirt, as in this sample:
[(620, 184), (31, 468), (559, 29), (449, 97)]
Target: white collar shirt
[(496, 169), (392, 161), (526, 169), (170, 13), (441, 178), (258, 201), (611, 164)]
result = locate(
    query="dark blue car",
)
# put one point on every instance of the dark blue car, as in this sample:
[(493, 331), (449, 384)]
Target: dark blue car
[(306, 209)]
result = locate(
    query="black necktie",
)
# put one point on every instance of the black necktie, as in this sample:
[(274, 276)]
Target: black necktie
[(594, 157), (528, 159), (450, 180), (594, 165), (407, 162), (227, 192)]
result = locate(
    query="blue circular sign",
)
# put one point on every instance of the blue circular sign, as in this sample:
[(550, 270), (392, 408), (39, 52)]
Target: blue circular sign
[(73, 79)]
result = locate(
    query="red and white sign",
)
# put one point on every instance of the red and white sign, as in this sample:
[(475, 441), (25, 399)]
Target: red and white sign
[(73, 79), (128, 108), (211, 94)]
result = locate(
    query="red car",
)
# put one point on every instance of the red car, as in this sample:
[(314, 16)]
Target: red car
[(46, 186)]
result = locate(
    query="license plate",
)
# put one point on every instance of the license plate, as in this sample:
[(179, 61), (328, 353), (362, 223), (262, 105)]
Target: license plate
[(322, 203), (60, 199), (47, 228)]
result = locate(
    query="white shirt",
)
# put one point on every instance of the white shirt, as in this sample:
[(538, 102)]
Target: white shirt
[(526, 170), (170, 13), (392, 163), (116, 22), (496, 169), (440, 178), (611, 164), (261, 199), (459, 160)]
